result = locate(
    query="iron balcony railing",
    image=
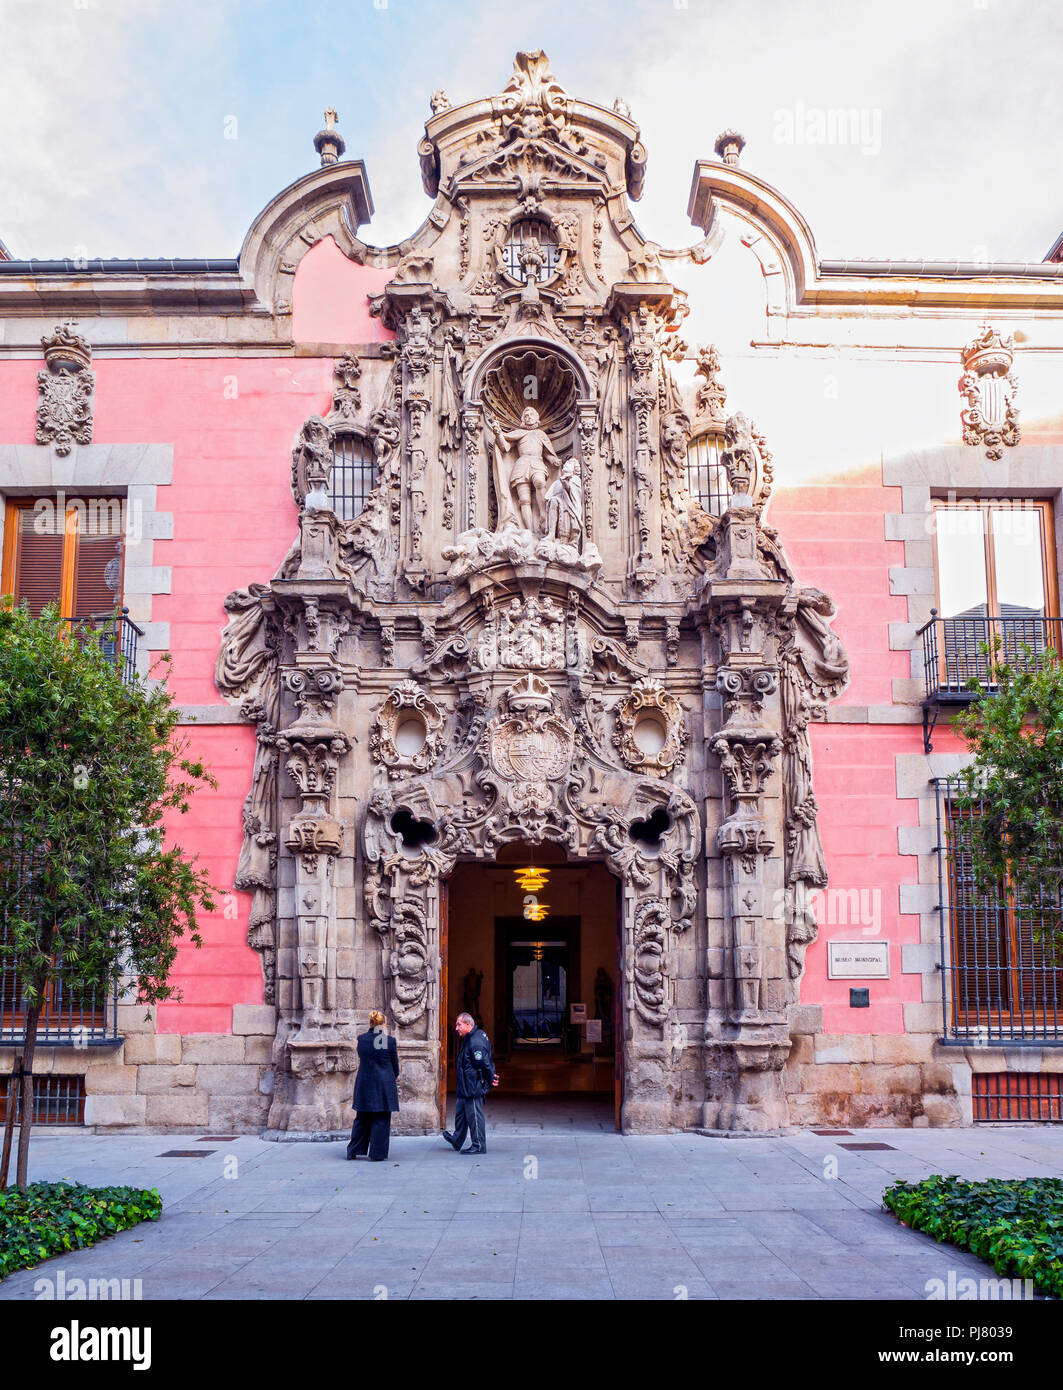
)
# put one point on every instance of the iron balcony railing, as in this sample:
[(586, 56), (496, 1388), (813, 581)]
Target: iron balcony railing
[(116, 636), (1002, 980), (957, 651), (954, 649)]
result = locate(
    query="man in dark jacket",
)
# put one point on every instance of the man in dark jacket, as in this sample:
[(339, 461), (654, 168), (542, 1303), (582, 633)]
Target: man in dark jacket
[(375, 1092), (476, 1076)]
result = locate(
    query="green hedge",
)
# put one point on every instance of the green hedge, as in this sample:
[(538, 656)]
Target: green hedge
[(1015, 1224), (46, 1218)]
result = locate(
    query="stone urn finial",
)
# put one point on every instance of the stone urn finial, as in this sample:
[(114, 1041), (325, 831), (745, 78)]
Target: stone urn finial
[(729, 146), (329, 143)]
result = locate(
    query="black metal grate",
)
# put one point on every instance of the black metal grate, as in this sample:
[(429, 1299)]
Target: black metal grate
[(1018, 1095), (706, 475), (115, 635), (57, 1100), (953, 648), (522, 232), (76, 1019), (353, 475), (1000, 984)]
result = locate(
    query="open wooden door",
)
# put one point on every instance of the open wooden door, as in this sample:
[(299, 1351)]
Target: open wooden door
[(618, 1014), (444, 997)]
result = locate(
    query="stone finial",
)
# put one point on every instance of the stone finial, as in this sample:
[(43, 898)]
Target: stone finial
[(329, 143), (439, 101), (729, 146)]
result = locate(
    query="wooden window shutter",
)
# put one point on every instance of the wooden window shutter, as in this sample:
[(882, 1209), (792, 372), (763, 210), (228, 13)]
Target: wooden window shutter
[(98, 572), (39, 564)]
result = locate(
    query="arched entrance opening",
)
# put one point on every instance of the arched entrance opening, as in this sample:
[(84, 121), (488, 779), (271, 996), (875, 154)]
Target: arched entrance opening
[(540, 972)]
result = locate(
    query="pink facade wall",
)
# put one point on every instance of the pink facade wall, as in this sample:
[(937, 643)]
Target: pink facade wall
[(232, 422)]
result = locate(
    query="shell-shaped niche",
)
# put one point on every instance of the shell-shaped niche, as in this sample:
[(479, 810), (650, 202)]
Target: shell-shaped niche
[(532, 377)]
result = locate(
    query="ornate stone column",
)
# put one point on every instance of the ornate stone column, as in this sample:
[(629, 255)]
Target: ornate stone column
[(747, 1048)]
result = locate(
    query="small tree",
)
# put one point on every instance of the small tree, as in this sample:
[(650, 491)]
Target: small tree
[(1014, 788), (89, 768)]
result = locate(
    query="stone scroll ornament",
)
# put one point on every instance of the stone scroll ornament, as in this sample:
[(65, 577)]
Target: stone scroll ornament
[(64, 389)]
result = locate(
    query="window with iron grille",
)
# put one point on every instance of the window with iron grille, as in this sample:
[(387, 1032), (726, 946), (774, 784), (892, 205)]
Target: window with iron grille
[(57, 1100), (76, 1017), (706, 475), (1001, 981), (353, 475), (528, 229)]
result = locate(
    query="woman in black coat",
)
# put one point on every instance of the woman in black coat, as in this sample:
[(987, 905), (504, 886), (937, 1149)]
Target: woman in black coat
[(375, 1092)]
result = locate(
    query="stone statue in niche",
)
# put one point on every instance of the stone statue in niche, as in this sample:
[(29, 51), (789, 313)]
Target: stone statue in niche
[(564, 506), (522, 458)]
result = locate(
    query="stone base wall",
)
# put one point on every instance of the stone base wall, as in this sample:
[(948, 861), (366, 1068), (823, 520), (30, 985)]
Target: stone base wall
[(912, 1079), (203, 1082), (224, 1083)]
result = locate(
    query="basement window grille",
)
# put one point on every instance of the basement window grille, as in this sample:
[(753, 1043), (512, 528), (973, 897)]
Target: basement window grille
[(1018, 1095), (57, 1100)]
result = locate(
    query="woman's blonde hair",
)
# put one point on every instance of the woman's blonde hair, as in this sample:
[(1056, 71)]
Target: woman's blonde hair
[(376, 1019)]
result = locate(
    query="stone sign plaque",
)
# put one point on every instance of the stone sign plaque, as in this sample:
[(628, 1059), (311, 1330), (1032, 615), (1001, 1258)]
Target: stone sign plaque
[(858, 960)]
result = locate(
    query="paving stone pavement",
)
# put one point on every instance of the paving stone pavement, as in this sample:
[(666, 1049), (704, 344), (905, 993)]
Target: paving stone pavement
[(557, 1213)]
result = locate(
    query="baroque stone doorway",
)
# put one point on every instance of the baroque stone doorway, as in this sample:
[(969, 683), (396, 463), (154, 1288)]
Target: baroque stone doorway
[(545, 986)]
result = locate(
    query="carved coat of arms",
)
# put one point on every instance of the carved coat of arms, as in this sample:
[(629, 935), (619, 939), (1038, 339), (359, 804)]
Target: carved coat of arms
[(530, 748)]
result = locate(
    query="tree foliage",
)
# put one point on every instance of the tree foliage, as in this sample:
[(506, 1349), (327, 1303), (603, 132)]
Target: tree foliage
[(1012, 793), (91, 771)]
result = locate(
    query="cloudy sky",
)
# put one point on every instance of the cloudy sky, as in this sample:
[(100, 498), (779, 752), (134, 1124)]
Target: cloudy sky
[(162, 127)]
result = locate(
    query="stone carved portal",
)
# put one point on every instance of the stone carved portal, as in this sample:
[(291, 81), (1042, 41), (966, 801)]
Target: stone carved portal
[(461, 667)]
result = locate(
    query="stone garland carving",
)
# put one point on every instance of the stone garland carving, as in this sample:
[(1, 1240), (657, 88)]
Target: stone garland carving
[(611, 418), (711, 395), (989, 386), (640, 330), (65, 387), (450, 411), (650, 703), (387, 644), (677, 536), (247, 666), (346, 396), (814, 670), (472, 423), (404, 697)]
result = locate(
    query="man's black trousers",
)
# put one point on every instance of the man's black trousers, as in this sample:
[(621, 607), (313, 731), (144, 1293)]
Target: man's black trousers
[(469, 1119), (371, 1132)]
